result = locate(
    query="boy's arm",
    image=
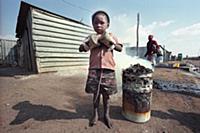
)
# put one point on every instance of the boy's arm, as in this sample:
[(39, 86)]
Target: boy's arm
[(118, 46), (81, 48), (84, 47)]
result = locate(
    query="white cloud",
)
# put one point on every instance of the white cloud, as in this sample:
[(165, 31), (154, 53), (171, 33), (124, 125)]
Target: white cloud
[(159, 24), (124, 26), (191, 30), (185, 40), (120, 17), (165, 23)]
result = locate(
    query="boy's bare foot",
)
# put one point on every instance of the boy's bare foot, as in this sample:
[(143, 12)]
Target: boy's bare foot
[(93, 121), (108, 122)]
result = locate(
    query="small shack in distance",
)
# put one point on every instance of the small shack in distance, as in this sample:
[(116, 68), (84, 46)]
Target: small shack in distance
[(49, 42)]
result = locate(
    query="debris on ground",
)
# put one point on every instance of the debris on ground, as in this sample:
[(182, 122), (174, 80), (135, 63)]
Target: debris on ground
[(189, 88)]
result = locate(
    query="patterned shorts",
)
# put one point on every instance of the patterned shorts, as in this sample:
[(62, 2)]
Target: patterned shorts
[(107, 82)]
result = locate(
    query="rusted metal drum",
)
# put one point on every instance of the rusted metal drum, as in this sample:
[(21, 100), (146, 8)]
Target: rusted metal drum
[(137, 93)]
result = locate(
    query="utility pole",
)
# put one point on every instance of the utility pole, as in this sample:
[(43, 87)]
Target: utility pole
[(137, 32)]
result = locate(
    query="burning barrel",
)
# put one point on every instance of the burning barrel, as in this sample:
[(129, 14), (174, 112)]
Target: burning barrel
[(137, 86)]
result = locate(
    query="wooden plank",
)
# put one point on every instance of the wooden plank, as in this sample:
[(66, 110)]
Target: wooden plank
[(59, 50), (25, 44), (28, 51), (20, 50), (55, 45), (64, 60), (57, 64), (58, 25), (38, 63), (42, 54), (59, 30), (47, 16), (57, 35), (31, 45), (57, 40)]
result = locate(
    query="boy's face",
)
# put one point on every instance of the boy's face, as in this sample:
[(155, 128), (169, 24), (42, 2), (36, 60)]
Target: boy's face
[(100, 23)]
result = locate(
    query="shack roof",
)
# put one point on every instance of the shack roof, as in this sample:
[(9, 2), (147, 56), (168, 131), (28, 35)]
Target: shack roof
[(22, 16)]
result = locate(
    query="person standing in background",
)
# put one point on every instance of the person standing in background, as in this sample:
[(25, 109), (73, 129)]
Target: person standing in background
[(152, 50)]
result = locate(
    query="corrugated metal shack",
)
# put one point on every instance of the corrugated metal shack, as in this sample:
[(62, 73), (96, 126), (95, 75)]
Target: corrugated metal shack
[(8, 52), (49, 42)]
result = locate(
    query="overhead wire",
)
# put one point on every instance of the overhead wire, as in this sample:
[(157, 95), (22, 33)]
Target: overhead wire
[(75, 6)]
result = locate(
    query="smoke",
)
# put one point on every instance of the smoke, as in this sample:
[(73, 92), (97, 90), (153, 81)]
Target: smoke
[(124, 61)]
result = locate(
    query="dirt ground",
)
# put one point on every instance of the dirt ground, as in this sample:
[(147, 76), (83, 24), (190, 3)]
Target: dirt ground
[(57, 103)]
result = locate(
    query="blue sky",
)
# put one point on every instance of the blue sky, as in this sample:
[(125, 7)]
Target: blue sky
[(175, 23)]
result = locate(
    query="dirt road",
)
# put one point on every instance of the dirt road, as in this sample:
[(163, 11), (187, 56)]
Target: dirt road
[(57, 103)]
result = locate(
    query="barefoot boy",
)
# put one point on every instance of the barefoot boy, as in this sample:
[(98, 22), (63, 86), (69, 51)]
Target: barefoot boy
[(101, 76)]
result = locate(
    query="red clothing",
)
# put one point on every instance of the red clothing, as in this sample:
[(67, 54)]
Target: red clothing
[(100, 57), (152, 47)]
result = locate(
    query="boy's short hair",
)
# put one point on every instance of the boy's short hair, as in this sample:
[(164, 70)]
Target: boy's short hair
[(101, 12)]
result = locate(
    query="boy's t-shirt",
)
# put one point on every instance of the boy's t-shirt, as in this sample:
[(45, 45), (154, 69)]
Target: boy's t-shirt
[(101, 57)]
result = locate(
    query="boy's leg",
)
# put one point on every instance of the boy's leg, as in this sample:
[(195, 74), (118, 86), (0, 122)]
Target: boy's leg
[(106, 104), (95, 114)]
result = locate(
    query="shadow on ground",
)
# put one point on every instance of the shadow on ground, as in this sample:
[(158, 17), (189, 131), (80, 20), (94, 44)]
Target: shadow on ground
[(28, 111), (12, 71), (188, 119)]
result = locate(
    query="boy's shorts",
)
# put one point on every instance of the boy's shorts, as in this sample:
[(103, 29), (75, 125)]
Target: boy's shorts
[(108, 81)]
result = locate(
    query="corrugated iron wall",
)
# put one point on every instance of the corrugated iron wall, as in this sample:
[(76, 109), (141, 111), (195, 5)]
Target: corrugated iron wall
[(7, 52), (56, 41)]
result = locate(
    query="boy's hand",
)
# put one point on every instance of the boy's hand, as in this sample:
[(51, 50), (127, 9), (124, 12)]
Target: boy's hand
[(81, 48), (108, 40), (111, 47)]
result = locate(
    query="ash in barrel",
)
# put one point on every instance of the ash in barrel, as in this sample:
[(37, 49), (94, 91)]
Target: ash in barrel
[(137, 70), (136, 77), (137, 85)]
